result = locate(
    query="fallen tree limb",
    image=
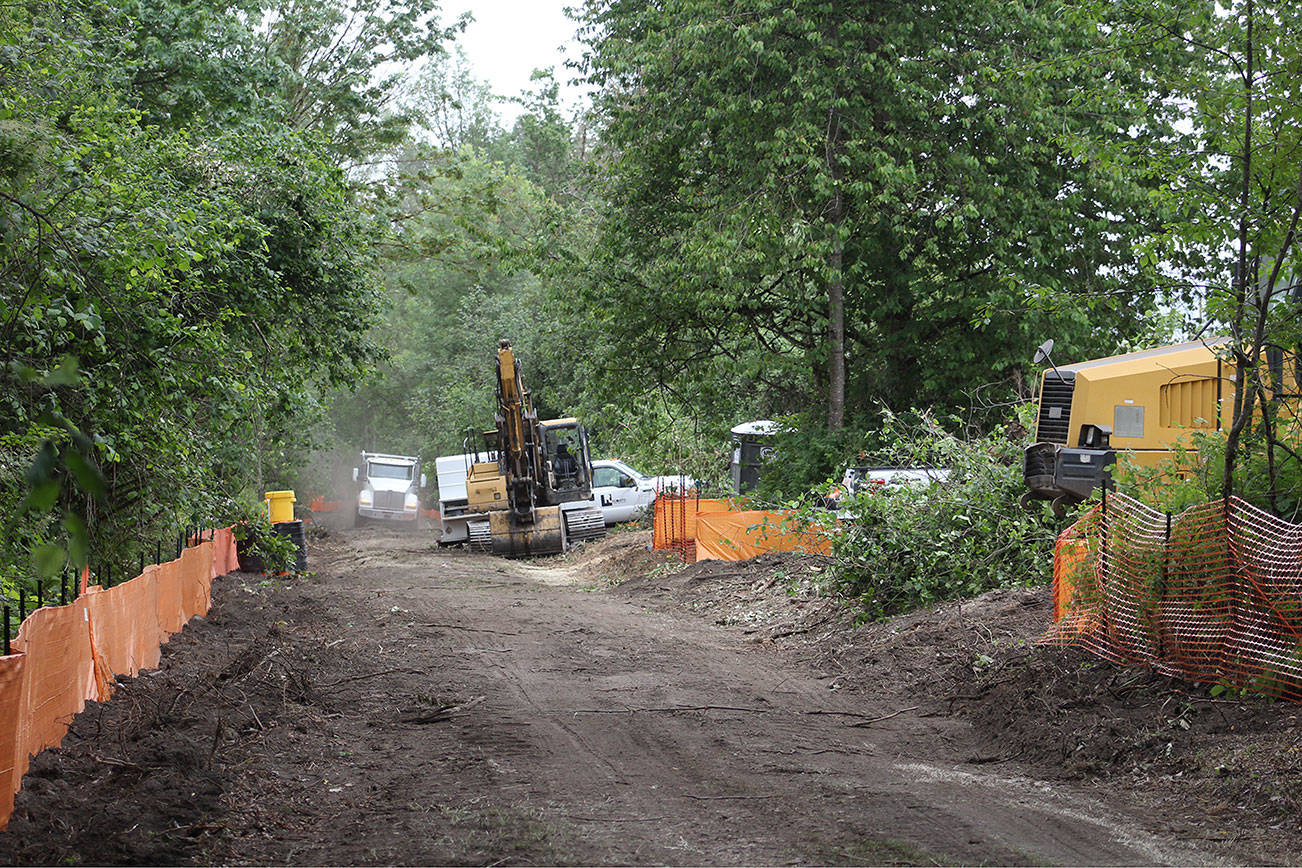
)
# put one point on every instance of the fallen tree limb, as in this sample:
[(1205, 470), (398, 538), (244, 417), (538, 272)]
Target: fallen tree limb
[(406, 670)]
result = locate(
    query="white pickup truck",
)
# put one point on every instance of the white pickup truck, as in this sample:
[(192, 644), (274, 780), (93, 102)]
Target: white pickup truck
[(624, 494), (857, 479)]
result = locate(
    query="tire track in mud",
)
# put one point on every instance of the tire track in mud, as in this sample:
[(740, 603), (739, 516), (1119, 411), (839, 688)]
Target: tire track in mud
[(636, 713)]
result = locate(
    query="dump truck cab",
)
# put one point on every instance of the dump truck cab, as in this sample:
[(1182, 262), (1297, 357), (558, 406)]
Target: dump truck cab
[(1143, 403), (390, 487)]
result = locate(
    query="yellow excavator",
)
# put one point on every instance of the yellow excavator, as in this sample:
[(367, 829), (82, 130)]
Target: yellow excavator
[(537, 494)]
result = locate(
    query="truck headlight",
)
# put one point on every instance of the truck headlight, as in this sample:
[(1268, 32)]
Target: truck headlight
[(364, 498), (411, 502)]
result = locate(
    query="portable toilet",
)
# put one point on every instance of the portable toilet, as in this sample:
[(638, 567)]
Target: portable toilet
[(752, 445)]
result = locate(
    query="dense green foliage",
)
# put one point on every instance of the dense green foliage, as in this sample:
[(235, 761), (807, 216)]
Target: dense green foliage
[(1234, 191), (185, 268), (913, 546), (855, 203), (238, 232)]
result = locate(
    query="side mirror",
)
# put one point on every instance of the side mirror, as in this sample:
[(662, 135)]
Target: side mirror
[(1042, 351), (422, 481), (354, 474)]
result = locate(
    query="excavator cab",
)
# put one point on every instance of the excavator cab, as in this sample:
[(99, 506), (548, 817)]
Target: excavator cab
[(567, 474)]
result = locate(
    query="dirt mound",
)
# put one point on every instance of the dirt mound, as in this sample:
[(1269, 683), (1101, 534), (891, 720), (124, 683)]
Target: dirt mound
[(621, 554), (136, 778)]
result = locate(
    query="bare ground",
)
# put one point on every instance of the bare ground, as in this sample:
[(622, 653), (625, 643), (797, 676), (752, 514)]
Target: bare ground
[(409, 705)]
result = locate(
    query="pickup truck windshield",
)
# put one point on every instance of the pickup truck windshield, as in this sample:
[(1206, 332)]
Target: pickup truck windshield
[(388, 471)]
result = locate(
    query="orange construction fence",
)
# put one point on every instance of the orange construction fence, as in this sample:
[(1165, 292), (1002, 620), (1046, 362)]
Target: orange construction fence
[(320, 504), (723, 529), (674, 518), (1213, 594), (744, 534), (67, 655)]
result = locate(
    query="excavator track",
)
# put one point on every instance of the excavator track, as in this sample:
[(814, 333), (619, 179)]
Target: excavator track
[(584, 525), (481, 536)]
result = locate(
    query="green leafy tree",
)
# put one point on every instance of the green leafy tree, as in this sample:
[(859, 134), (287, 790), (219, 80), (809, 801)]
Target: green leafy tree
[(174, 300), (1233, 191), (829, 204), (334, 69)]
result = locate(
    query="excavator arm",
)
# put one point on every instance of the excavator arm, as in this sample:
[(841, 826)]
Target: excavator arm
[(537, 482)]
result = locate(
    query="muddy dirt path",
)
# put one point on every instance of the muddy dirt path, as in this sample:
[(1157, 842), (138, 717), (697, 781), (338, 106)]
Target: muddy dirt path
[(417, 706)]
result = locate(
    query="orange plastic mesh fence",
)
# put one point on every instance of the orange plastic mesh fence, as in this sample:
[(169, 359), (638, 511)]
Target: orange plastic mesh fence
[(723, 529), (66, 655), (1213, 594), (674, 521), (744, 534)]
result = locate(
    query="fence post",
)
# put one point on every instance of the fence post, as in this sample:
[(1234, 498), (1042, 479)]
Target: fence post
[(1103, 547), (158, 552), (1166, 556), (40, 591), (22, 605), (7, 651)]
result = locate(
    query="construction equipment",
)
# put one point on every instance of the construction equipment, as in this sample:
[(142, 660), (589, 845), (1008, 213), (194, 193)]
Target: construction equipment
[(390, 487), (1143, 403), (536, 492)]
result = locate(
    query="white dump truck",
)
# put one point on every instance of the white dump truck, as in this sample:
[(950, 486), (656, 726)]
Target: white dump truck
[(390, 487)]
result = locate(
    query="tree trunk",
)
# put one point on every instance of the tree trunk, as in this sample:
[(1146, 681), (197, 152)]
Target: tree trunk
[(836, 278), (836, 335), (1243, 363)]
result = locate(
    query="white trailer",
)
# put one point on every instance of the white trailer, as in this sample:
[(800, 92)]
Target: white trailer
[(454, 504)]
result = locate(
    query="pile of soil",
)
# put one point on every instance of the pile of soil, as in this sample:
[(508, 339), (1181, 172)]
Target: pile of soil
[(135, 777), (624, 552)]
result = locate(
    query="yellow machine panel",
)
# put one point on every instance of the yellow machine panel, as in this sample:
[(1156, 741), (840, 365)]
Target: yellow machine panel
[(1148, 399), (485, 487), (1142, 403)]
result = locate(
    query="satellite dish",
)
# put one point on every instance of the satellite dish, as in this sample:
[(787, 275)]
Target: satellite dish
[(1042, 351)]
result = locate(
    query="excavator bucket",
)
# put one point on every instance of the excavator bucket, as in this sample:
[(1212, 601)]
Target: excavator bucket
[(543, 537)]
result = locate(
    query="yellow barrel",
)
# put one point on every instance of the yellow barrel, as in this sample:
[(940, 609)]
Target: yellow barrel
[(280, 506)]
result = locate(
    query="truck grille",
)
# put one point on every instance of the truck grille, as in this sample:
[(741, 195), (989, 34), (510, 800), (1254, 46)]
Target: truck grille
[(390, 499), (1055, 407)]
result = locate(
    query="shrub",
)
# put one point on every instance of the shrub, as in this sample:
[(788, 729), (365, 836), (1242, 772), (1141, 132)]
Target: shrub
[(255, 536), (908, 547), (1194, 474)]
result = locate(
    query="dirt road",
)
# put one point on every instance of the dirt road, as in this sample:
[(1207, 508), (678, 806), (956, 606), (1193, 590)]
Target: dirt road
[(417, 706)]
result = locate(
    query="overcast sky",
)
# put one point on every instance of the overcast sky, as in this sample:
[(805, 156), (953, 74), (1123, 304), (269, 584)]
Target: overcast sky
[(509, 39)]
